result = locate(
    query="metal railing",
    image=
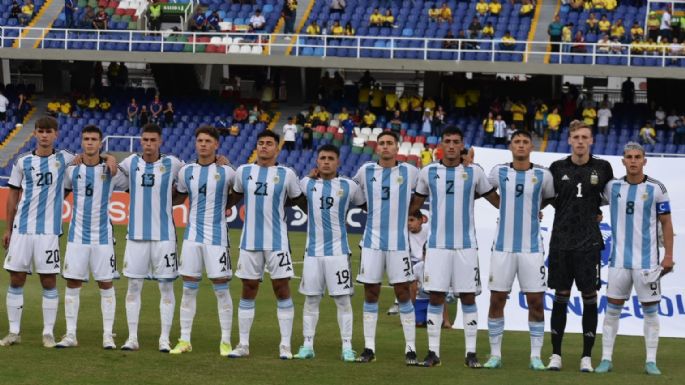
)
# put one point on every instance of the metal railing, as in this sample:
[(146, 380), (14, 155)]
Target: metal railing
[(382, 47), (130, 138)]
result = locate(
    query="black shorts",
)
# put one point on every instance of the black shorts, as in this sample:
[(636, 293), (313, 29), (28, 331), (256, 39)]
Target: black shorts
[(582, 266)]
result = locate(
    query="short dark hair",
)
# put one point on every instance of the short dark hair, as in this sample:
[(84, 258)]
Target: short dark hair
[(388, 133), (521, 133), (91, 128), (416, 214), (209, 130), (329, 148), (269, 134), (153, 128), (47, 122), (452, 130)]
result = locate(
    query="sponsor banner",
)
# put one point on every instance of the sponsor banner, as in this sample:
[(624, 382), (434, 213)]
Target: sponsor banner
[(672, 306)]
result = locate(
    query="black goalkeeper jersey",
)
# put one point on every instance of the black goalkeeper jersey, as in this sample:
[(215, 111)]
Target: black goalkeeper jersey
[(578, 199)]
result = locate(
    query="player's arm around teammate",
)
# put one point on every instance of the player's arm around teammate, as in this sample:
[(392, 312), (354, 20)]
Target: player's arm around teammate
[(517, 250), (452, 254), (636, 202)]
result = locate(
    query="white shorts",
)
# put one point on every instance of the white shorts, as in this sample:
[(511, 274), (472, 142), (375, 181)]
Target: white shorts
[(621, 281), (41, 249), (332, 273), (81, 259), (252, 264), (150, 259), (457, 269), (374, 262), (529, 267), (196, 257)]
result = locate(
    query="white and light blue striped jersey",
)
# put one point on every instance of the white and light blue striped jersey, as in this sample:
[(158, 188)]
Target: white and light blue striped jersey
[(634, 211), (91, 188), (265, 190), (451, 192), (521, 196), (207, 188), (41, 179), (417, 243), (327, 205), (387, 192), (150, 188)]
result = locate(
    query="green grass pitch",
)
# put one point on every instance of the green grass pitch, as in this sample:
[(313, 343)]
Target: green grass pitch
[(30, 363)]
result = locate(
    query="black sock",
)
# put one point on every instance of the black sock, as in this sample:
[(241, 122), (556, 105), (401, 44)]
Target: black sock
[(589, 324), (558, 321)]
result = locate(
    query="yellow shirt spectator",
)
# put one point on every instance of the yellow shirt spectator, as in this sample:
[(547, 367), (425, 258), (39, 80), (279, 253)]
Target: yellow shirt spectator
[(604, 25), (637, 31), (377, 97), (430, 104), (264, 117), (93, 103), (404, 104), (53, 106), (589, 116), (472, 97), (610, 5), (637, 47), (540, 112), (460, 100), (415, 102), (488, 30), (313, 29), (482, 7), (389, 19), (489, 125), (426, 156), (518, 111), (324, 116), (508, 40), (598, 4), (434, 14), (566, 34), (390, 101), (65, 108), (446, 14), (618, 31), (376, 19), (526, 9), (364, 93), (369, 119), (495, 8), (337, 30), (650, 46), (105, 106), (343, 116), (553, 121)]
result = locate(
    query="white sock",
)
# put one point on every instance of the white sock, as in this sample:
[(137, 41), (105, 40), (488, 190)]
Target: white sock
[(310, 317), (245, 318), (651, 331), (537, 337), (135, 287), (224, 304), (434, 327), (408, 320), (610, 329), (167, 304), (71, 305), (15, 305), (188, 306), (345, 319), (50, 305), (370, 321), (108, 306), (285, 313), (495, 334), (470, 326)]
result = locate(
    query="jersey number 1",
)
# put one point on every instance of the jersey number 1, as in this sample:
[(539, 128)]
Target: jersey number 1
[(580, 190)]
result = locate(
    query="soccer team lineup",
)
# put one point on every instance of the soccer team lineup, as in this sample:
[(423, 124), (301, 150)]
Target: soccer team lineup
[(430, 254)]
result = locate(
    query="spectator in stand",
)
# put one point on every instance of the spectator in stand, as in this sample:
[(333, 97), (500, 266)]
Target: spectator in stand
[(628, 91), (495, 7), (660, 119), (445, 13), (508, 42), (4, 103), (390, 104), (101, 19), (604, 44), (540, 118), (434, 13), (369, 119), (342, 115), (675, 49), (518, 113), (213, 22), (679, 136), (253, 115), (27, 11), (337, 29), (592, 24), (603, 117), (307, 136), (338, 6), (526, 9), (637, 47), (22, 108), (198, 23), (388, 19), (489, 128), (289, 132), (69, 9), (554, 32), (618, 30), (567, 37), (579, 43), (323, 116), (653, 25), (598, 5), (488, 31), (15, 10), (313, 28), (257, 21), (155, 13), (144, 116), (604, 25), (426, 156), (168, 114), (553, 124), (672, 120), (376, 18), (156, 108), (396, 122), (500, 133), (449, 42), (636, 31), (88, 17), (577, 5), (240, 114), (349, 31), (439, 121), (427, 122), (377, 98), (289, 15), (665, 26), (589, 115), (105, 105), (610, 5), (482, 8), (132, 112), (647, 134), (474, 28)]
